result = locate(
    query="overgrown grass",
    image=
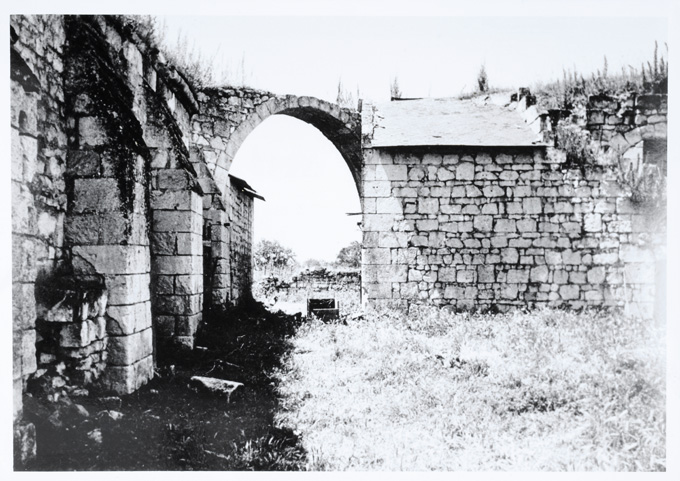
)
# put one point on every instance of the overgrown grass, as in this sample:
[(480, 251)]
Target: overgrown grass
[(547, 390)]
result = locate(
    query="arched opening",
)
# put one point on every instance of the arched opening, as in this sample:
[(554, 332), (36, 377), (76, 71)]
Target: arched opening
[(309, 192)]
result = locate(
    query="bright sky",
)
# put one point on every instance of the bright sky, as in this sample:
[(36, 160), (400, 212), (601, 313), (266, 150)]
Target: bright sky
[(304, 179)]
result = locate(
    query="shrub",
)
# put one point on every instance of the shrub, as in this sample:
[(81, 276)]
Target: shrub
[(482, 80)]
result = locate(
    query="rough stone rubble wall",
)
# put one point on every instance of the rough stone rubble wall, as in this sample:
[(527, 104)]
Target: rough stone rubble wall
[(485, 227), (38, 191)]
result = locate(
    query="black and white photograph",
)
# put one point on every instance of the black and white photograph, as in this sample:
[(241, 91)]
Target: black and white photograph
[(341, 236)]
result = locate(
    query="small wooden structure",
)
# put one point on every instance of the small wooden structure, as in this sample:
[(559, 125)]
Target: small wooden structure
[(324, 309)]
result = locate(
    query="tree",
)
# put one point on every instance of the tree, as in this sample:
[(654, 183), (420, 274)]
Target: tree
[(273, 258), (350, 256), (482, 79), (395, 91)]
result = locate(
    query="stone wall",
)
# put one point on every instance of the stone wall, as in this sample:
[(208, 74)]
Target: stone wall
[(499, 228), (241, 243), (38, 190), (176, 226)]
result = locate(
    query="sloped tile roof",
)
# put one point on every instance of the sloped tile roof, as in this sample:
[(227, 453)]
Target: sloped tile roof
[(472, 122)]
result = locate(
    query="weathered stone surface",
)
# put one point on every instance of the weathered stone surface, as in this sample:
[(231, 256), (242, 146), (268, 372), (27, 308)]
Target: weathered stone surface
[(128, 289), (127, 379), (177, 221), (128, 319), (81, 334), (127, 350), (111, 259), (218, 386), (96, 195), (174, 179), (178, 265)]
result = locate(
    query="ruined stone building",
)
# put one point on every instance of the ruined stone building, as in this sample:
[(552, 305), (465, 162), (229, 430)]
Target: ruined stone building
[(467, 205), (127, 228)]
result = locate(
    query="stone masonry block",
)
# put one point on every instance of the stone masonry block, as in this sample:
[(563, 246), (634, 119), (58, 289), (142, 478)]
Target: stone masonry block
[(128, 289), (163, 284), (96, 228), (444, 174), (465, 171), (381, 188), (192, 284), (447, 274), (96, 195), (165, 243), (127, 350), (393, 239), (24, 216), (378, 222), (178, 304), (532, 205), (174, 179), (539, 274), (188, 325), (91, 132), (371, 272), (485, 274), (483, 223), (111, 259), (171, 199), (517, 276), (388, 205), (23, 306), (526, 225), (553, 257), (164, 326), (81, 334), (177, 221), (493, 191), (569, 292), (596, 275), (387, 172), (592, 222), (127, 379), (126, 320), (376, 256), (505, 225), (379, 290), (428, 206), (26, 351), (570, 257), (177, 265), (189, 244), (83, 163)]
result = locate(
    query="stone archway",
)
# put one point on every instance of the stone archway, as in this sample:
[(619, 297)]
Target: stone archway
[(227, 116)]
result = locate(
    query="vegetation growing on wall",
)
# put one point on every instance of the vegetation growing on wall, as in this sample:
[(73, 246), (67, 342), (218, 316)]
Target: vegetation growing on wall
[(575, 88), (93, 78)]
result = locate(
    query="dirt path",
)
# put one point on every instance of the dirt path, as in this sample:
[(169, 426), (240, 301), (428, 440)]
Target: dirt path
[(169, 425)]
